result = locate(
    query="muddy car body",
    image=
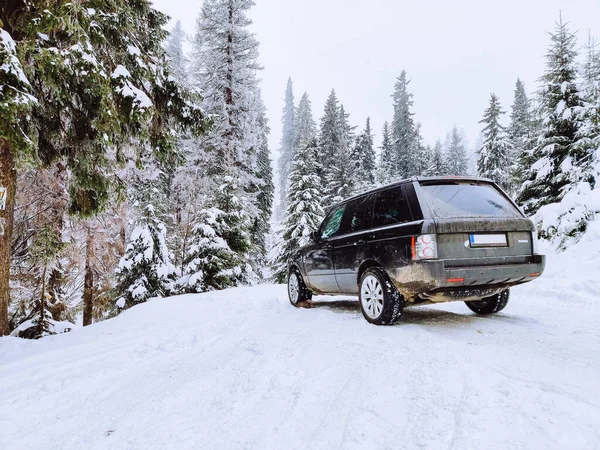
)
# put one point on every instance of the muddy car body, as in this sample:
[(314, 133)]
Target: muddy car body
[(419, 241)]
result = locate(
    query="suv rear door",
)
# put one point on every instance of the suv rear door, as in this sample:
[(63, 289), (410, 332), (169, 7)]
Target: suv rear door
[(349, 247), (476, 223)]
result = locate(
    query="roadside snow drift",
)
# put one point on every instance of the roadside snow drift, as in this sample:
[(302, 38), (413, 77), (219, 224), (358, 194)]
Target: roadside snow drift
[(242, 369)]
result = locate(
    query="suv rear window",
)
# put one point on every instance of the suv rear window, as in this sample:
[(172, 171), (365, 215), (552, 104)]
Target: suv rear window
[(458, 200)]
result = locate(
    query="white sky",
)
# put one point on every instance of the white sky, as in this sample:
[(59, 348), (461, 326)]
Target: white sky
[(455, 52)]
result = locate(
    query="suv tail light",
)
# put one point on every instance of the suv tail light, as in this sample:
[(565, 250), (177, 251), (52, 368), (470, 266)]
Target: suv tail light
[(424, 247)]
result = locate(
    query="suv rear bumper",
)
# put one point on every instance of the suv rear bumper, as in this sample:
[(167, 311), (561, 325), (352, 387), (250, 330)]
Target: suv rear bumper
[(448, 280)]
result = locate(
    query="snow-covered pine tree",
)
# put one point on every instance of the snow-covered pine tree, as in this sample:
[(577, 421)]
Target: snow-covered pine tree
[(437, 165), (304, 212), (494, 154), (145, 270), (225, 68), (286, 149), (329, 139), (422, 153), (341, 177), (403, 131), (456, 155), (520, 135), (386, 156), (174, 47), (557, 159), (125, 97), (363, 159)]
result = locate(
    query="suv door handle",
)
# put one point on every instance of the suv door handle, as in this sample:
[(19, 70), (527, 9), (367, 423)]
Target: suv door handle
[(360, 243), (328, 246)]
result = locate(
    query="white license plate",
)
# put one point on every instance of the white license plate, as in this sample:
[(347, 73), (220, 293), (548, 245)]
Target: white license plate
[(488, 240)]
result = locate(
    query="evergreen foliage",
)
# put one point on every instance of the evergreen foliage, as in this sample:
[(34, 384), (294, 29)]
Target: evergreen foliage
[(145, 270), (286, 149), (558, 159), (520, 135), (456, 156), (404, 144), (437, 165), (384, 167), (494, 154), (363, 158)]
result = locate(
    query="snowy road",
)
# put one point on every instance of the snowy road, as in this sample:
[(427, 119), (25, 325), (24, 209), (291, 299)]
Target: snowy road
[(243, 369)]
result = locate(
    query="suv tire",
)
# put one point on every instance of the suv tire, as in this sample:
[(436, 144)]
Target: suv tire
[(380, 301), (490, 305), (297, 290)]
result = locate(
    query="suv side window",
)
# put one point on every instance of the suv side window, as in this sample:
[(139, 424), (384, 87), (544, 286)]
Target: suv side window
[(391, 208), (357, 216), (333, 223)]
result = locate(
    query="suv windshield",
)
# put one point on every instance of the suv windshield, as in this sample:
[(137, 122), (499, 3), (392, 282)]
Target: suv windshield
[(458, 200)]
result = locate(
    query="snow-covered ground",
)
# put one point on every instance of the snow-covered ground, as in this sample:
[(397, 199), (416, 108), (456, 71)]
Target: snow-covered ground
[(242, 369)]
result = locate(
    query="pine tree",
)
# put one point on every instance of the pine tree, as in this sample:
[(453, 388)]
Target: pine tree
[(363, 159), (403, 131), (304, 213), (422, 154), (145, 270), (177, 60), (456, 157), (286, 145), (520, 136), (341, 176), (386, 156), (111, 84), (329, 139), (437, 166), (557, 159), (494, 154)]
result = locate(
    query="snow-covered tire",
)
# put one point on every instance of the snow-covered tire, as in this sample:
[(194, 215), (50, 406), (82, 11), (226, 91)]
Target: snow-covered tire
[(297, 290), (380, 301), (490, 305)]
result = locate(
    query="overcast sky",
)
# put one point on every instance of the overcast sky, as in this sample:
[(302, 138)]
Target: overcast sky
[(455, 52)]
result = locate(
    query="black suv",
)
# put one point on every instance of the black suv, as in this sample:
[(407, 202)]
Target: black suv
[(419, 241)]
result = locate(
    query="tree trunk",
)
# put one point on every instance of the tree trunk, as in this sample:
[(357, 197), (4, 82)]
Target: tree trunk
[(56, 180), (8, 179), (88, 284)]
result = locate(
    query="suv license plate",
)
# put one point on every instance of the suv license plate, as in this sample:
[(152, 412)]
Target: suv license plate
[(488, 240)]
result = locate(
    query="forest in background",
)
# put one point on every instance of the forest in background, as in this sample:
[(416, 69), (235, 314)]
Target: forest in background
[(136, 169)]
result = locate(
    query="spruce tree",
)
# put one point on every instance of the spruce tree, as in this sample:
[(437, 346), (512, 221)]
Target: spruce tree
[(304, 212), (286, 145), (556, 155), (145, 270), (456, 156), (386, 156), (363, 159), (329, 139), (520, 136), (403, 131), (113, 89), (494, 154), (341, 176), (174, 47), (437, 165)]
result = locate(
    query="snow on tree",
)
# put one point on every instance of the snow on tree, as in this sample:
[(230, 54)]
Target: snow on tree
[(174, 47), (145, 270), (456, 155), (329, 139), (341, 177), (386, 156), (363, 158), (286, 146), (109, 80), (422, 153), (304, 212), (557, 161), (494, 154), (437, 164), (403, 131), (225, 68), (520, 135)]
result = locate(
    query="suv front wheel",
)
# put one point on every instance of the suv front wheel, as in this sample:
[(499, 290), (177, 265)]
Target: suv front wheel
[(297, 290), (489, 305), (380, 301)]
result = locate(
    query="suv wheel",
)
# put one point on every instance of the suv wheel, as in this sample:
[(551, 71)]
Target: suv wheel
[(297, 290), (489, 305), (380, 301)]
